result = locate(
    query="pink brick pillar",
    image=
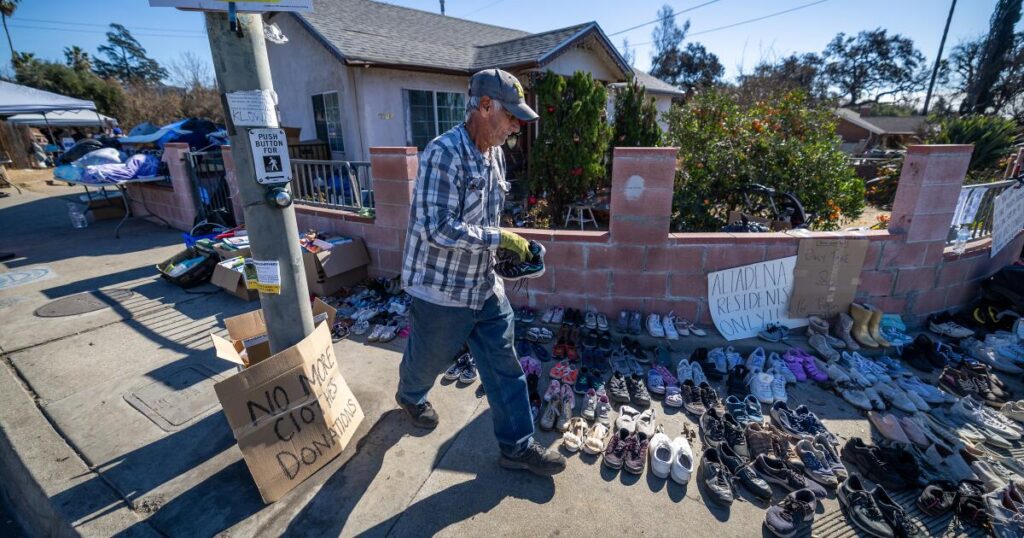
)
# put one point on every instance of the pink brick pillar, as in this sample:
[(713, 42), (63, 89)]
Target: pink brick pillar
[(641, 206), (394, 174), (231, 178), (929, 187), (184, 197)]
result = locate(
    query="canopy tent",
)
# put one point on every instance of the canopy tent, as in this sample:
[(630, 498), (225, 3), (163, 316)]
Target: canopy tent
[(17, 99), (69, 118)]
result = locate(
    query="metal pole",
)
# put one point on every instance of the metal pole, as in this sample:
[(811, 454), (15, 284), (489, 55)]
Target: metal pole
[(938, 59), (240, 61)]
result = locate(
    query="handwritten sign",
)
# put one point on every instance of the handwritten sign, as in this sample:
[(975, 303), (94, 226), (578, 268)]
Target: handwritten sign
[(744, 300), (1007, 218), (253, 108), (828, 271)]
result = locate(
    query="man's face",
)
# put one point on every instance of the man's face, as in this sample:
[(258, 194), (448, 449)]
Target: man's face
[(501, 122)]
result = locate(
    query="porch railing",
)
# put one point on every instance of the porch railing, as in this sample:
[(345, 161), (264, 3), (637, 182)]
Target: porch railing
[(344, 185), (975, 208)]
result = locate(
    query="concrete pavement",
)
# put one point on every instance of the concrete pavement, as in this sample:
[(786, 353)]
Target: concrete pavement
[(79, 453)]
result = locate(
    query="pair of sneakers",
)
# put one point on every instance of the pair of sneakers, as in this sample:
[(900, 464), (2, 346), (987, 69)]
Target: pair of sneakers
[(561, 401), (463, 369), (768, 388), (628, 447), (671, 458)]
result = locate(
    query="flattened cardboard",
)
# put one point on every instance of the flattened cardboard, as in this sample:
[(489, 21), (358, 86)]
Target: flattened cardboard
[(233, 282), (328, 271), (291, 413), (250, 326), (828, 273)]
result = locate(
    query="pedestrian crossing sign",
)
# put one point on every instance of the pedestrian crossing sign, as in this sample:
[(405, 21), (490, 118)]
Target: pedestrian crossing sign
[(270, 156)]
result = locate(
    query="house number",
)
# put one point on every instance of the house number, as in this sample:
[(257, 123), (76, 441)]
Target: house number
[(385, 115)]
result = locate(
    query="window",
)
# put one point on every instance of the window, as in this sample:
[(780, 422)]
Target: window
[(327, 118), (431, 114)]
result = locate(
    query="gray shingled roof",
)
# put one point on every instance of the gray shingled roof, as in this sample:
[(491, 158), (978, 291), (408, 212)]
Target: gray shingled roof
[(896, 124), (656, 85), (375, 32)]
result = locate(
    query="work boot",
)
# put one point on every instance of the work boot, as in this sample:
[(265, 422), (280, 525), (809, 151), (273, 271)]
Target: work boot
[(536, 459), (422, 415), (861, 321), (875, 327), (842, 329)]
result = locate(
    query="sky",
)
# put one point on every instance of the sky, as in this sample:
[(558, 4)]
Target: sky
[(46, 27)]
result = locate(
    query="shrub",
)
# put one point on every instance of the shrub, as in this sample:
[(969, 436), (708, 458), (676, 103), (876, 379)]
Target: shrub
[(993, 138), (635, 122), (567, 158), (785, 144)]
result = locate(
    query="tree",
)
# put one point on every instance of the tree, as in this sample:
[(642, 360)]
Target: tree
[(698, 67), (59, 78), (568, 156), (126, 59), (1006, 93), (635, 123), (668, 36), (994, 57), (794, 72), (873, 65), (77, 59), (628, 53), (7, 8)]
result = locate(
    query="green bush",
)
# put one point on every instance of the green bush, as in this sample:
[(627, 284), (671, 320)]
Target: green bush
[(785, 144), (993, 138), (635, 122), (568, 156)]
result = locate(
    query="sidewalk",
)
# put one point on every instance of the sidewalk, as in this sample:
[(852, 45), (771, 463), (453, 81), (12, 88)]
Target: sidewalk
[(77, 455)]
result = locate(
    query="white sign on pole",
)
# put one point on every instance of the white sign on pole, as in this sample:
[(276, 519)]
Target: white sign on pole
[(1007, 218), (222, 5), (270, 156), (744, 300), (253, 108)]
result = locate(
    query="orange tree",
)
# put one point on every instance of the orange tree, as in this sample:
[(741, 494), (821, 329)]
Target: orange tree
[(784, 143)]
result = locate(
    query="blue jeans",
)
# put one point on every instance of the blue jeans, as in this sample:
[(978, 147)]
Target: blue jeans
[(437, 334)]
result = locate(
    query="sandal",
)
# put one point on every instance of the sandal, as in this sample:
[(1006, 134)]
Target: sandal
[(575, 435), (569, 377), (559, 369), (594, 441)]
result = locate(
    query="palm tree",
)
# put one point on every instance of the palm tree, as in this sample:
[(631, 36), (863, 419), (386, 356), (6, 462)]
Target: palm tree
[(77, 58), (7, 8)]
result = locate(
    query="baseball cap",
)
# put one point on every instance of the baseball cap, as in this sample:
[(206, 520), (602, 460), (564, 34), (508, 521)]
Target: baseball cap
[(503, 87)]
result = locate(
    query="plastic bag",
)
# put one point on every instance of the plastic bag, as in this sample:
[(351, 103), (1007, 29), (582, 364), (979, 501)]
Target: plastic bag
[(100, 156), (69, 172)]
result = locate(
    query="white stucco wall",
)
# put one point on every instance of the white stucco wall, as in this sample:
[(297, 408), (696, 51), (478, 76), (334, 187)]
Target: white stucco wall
[(663, 103), (580, 59)]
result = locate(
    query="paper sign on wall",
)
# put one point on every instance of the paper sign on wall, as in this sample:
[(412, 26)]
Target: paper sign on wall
[(253, 108), (264, 276), (270, 156), (744, 300), (828, 271), (1007, 218)]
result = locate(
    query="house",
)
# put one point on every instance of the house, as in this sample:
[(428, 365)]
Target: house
[(862, 131), (358, 73)]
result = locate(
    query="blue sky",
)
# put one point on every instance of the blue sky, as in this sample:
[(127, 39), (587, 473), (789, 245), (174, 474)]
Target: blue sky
[(46, 27)]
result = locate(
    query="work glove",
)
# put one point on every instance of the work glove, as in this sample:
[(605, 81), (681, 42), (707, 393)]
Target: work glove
[(516, 244)]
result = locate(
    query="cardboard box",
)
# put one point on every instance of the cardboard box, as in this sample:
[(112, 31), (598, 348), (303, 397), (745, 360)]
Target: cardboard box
[(226, 253), (247, 344), (343, 265), (291, 413), (233, 281)]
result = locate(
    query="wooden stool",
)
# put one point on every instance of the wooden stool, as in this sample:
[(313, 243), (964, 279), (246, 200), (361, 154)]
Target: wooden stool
[(583, 214)]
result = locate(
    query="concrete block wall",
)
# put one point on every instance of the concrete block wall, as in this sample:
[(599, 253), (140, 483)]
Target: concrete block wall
[(176, 204), (638, 264)]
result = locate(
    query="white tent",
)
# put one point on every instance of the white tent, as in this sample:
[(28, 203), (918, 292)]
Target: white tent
[(17, 99), (67, 118)]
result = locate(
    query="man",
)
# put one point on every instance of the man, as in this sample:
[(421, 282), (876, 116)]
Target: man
[(448, 270)]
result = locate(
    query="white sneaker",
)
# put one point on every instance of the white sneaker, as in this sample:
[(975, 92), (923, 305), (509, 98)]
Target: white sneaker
[(668, 324), (1014, 410), (756, 360), (682, 460), (989, 356), (760, 385), (779, 389), (683, 371), (697, 374), (778, 366), (662, 455), (834, 371), (655, 327), (971, 411)]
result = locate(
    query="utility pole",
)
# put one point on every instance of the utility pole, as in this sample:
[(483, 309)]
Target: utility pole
[(240, 61), (938, 59)]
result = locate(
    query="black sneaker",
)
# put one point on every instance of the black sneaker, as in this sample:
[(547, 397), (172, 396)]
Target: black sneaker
[(700, 356), (509, 267), (928, 348), (870, 461), (638, 391), (793, 514), (861, 508), (712, 430), (715, 477), (736, 383), (894, 515), (734, 436), (536, 459), (709, 396), (618, 392), (776, 471), (422, 415), (741, 470)]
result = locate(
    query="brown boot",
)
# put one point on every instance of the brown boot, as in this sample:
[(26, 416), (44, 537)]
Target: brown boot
[(842, 329), (875, 326), (861, 320)]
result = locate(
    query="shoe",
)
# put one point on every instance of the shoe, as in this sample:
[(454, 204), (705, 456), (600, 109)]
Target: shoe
[(712, 429), (1006, 522), (757, 359), (814, 372), (736, 382), (623, 323), (943, 324), (510, 268), (615, 452), (691, 398), (853, 394), (824, 445), (835, 372), (861, 508), (778, 366), (989, 356), (422, 415), (684, 371), (654, 326), (568, 402), (889, 426), (792, 515), (915, 432), (820, 344), (673, 396), (682, 461), (715, 477), (469, 373), (627, 419), (876, 399), (861, 320), (988, 476), (896, 397), (869, 459), (636, 454), (736, 408), (575, 434), (786, 419), (779, 389), (604, 409), (455, 370), (589, 411), (662, 455), (760, 385), (638, 394), (795, 365), (554, 390), (734, 436), (815, 466), (709, 397), (635, 323), (842, 331), (1014, 410), (618, 391), (697, 373), (776, 471), (721, 366), (668, 325), (753, 410), (774, 332), (645, 423), (536, 459), (740, 469), (655, 383), (938, 498), (973, 412), (875, 326), (548, 418)]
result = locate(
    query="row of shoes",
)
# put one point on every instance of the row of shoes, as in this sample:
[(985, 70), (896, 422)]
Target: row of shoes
[(971, 378), (668, 326), (558, 315), (463, 369), (1000, 351)]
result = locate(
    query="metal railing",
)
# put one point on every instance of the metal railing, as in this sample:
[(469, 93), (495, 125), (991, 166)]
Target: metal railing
[(333, 184), (980, 200), (210, 187)]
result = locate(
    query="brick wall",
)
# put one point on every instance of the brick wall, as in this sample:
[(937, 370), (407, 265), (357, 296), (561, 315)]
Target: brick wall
[(176, 204), (639, 264)]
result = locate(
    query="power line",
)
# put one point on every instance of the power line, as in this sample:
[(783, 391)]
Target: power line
[(674, 15), (75, 23), (28, 27), (748, 21)]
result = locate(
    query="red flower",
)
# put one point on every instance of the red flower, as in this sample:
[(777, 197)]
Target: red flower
[(551, 109)]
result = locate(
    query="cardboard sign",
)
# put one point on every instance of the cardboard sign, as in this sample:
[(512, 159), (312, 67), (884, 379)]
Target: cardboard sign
[(1007, 218), (253, 108), (222, 5), (828, 271), (270, 156), (744, 300), (291, 413)]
